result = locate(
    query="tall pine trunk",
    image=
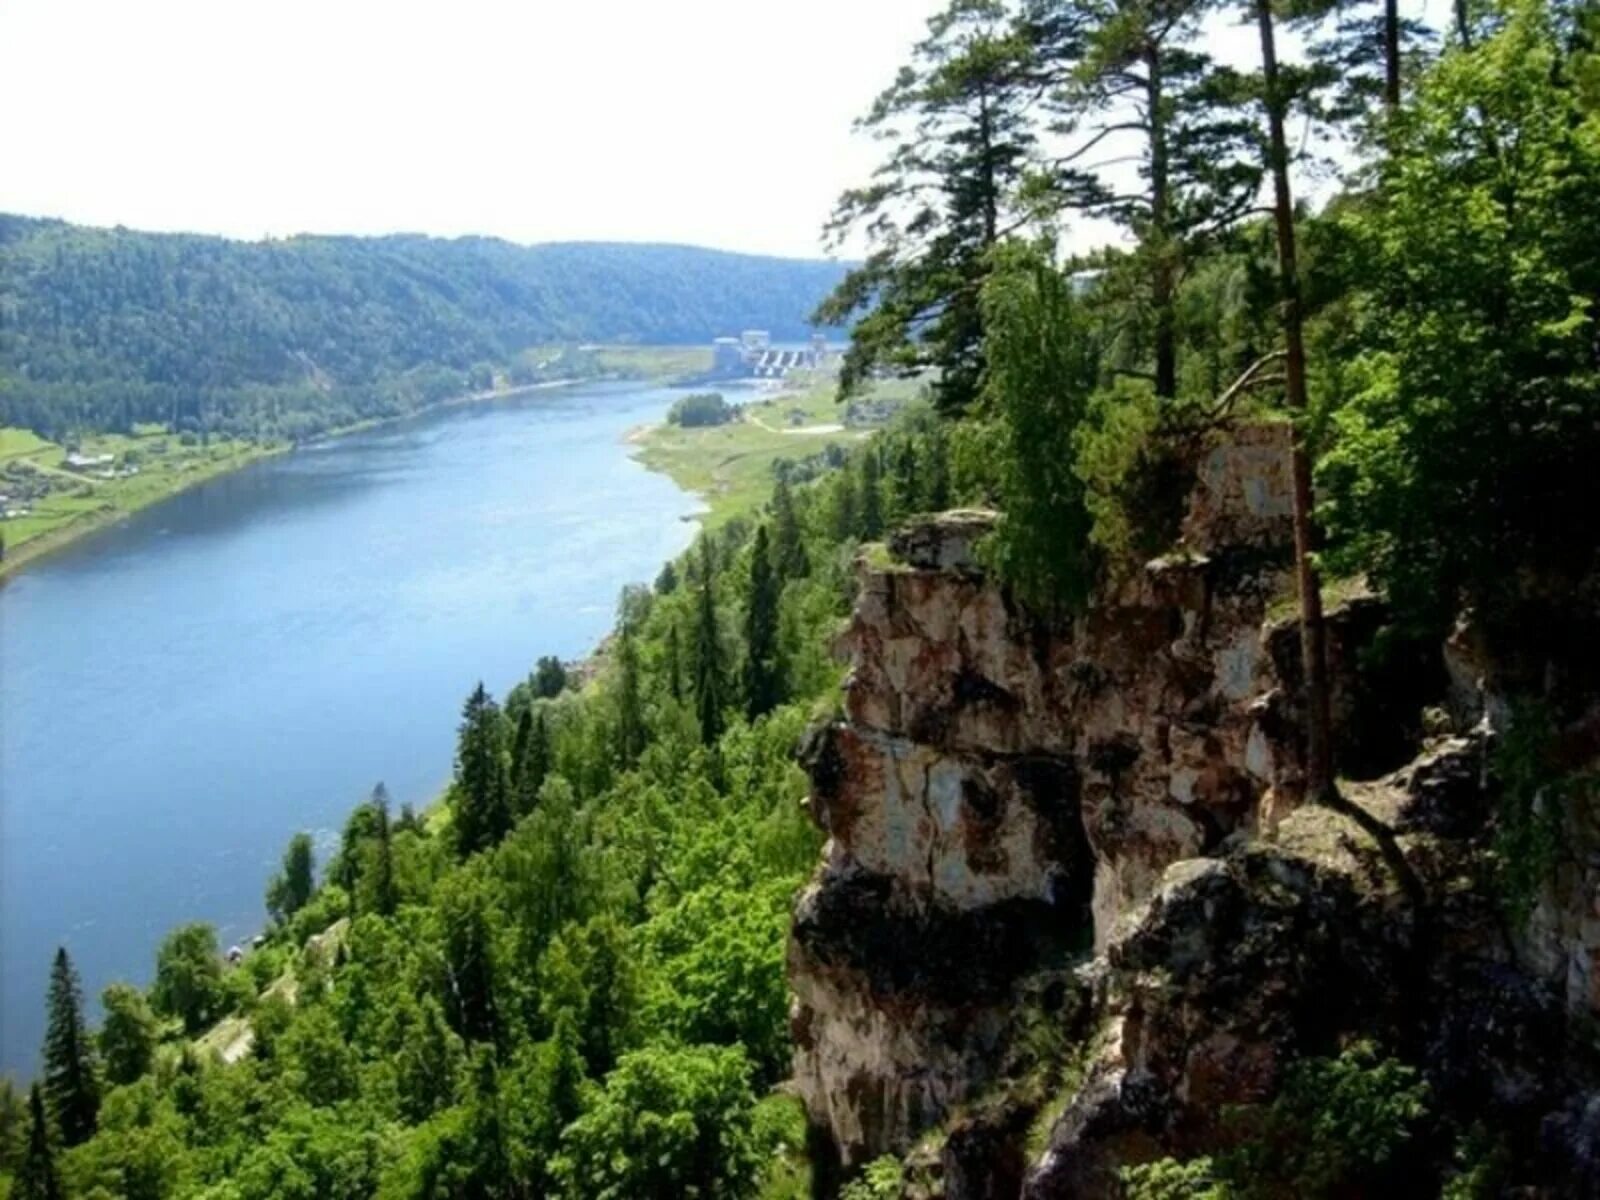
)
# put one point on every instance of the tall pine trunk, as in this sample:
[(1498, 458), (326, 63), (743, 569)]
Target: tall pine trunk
[(1162, 284), (1313, 636)]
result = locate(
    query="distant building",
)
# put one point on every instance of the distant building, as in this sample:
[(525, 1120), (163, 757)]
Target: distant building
[(727, 356), (86, 462), (752, 355)]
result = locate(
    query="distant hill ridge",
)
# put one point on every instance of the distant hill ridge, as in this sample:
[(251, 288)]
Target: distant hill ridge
[(104, 328)]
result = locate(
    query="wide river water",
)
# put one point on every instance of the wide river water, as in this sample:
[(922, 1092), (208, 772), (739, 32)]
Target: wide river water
[(181, 692)]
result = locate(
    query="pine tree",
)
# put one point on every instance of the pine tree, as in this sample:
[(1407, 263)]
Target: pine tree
[(710, 678), (37, 1180), (1133, 69), (69, 1068), (483, 804), (788, 543), (631, 732), (945, 195), (762, 669), (1276, 96)]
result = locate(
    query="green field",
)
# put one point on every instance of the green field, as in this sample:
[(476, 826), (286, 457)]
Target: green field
[(654, 362), (730, 466), (75, 503)]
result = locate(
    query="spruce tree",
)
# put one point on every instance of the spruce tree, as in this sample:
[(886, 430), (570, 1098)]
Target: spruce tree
[(844, 505), (384, 897), (762, 670), (37, 1179), (672, 668), (788, 543), (870, 525), (710, 679), (519, 745), (290, 889), (69, 1068), (630, 700), (483, 803), (536, 764), (525, 776), (936, 472), (667, 580), (901, 482)]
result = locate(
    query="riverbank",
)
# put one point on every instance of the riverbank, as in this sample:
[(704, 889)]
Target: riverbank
[(81, 504), (78, 505), (730, 466)]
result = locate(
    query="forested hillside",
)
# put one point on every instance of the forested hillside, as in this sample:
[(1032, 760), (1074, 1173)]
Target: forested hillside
[(569, 980), (102, 329)]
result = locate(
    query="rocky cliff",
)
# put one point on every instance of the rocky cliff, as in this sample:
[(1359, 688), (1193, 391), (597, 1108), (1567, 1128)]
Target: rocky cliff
[(1095, 828)]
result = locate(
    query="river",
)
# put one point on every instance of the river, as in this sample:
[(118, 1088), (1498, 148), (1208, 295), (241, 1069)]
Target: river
[(182, 691)]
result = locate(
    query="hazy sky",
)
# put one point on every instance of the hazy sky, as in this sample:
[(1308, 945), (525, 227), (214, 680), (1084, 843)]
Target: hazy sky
[(717, 122)]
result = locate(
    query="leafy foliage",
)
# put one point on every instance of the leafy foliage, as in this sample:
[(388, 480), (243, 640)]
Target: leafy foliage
[(1337, 1127), (701, 409)]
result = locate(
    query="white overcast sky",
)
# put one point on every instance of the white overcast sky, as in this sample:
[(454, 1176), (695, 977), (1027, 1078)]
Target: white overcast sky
[(713, 122), (716, 122)]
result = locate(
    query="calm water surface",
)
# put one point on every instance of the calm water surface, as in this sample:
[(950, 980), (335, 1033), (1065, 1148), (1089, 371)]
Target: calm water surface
[(181, 692)]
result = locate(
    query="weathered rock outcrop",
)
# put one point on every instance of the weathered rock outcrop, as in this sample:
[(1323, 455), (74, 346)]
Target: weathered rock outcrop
[(1001, 791), (1115, 801)]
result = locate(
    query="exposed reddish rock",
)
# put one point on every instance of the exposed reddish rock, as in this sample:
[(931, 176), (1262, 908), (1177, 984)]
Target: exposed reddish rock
[(1001, 788)]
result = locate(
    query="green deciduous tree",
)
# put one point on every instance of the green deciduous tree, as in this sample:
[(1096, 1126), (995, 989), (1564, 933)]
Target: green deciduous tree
[(669, 1123), (129, 1033), (70, 1083), (1473, 409), (188, 982), (541, 1095), (471, 964), (1044, 366)]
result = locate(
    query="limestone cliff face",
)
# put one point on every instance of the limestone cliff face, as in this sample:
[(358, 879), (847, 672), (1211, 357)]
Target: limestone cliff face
[(1100, 821), (1001, 791)]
